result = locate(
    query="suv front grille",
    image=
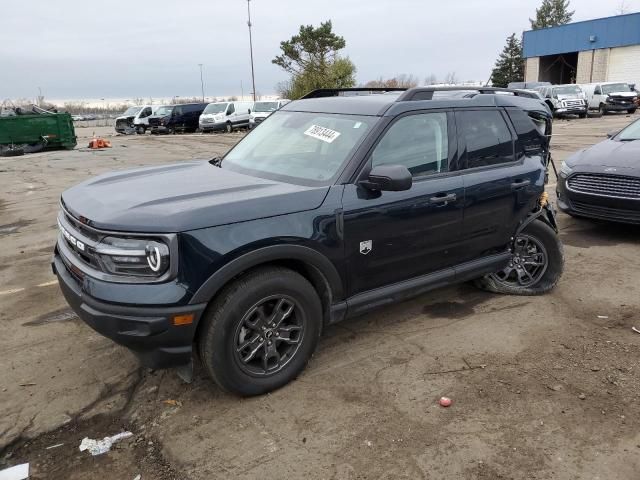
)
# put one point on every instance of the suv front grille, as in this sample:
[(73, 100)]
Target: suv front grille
[(605, 185), (573, 103), (79, 241)]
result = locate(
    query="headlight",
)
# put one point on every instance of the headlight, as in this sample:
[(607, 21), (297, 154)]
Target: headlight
[(139, 257), (565, 169)]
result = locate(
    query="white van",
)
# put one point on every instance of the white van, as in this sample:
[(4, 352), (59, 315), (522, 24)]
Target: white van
[(225, 116), (264, 108), (135, 119), (610, 97)]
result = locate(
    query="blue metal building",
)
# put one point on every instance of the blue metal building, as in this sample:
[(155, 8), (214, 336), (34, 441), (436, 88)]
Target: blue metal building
[(604, 49)]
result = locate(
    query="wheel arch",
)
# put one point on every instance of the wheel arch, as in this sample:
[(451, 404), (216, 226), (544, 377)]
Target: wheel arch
[(309, 263)]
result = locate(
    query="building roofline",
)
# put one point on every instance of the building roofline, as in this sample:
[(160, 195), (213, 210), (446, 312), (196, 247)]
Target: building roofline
[(581, 21)]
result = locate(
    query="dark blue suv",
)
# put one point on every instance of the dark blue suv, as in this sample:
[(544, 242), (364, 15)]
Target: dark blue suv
[(336, 204)]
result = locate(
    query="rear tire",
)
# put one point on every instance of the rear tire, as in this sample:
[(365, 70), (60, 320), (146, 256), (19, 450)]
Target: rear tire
[(245, 314), (536, 264), (583, 115)]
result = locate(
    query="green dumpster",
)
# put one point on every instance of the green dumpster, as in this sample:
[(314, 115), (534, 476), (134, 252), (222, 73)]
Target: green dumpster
[(47, 130)]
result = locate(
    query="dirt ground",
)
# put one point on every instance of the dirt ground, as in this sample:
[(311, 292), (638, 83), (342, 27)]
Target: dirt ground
[(543, 388)]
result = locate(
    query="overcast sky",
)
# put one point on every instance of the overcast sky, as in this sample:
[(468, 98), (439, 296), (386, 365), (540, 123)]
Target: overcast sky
[(126, 49)]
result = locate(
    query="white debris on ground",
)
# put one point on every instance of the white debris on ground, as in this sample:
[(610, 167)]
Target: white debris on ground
[(17, 472), (98, 447)]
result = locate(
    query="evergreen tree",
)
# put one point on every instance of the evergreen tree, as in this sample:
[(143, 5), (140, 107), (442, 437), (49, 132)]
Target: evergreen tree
[(551, 14), (510, 65), (311, 58)]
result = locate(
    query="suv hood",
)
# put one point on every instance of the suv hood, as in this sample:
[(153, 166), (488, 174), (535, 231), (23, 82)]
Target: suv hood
[(609, 153), (181, 197)]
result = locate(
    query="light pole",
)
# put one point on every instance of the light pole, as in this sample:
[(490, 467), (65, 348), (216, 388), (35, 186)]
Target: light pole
[(253, 78), (201, 82)]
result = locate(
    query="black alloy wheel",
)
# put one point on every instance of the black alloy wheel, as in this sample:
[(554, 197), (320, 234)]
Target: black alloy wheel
[(528, 264), (269, 335)]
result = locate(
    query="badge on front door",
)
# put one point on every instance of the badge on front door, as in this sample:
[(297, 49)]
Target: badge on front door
[(366, 246)]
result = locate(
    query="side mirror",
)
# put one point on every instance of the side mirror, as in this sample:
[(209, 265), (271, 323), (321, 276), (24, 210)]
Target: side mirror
[(390, 178), (249, 110), (612, 133)]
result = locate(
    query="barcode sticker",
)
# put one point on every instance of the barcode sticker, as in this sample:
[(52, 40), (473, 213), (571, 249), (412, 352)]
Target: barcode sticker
[(322, 133)]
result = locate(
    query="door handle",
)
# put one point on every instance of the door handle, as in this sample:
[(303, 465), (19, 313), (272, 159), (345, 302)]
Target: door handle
[(443, 198), (518, 184)]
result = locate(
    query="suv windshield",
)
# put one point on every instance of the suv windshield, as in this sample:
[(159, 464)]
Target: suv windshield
[(299, 147), (131, 111), (567, 90), (216, 108), (616, 87), (632, 132), (266, 107), (164, 111)]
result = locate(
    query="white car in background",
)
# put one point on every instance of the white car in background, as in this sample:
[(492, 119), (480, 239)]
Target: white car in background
[(611, 97), (263, 109), (225, 116)]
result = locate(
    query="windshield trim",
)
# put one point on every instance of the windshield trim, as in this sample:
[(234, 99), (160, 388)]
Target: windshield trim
[(353, 152)]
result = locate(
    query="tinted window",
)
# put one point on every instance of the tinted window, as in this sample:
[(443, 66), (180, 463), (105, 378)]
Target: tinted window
[(146, 112), (231, 109), (487, 137), (419, 142), (177, 111)]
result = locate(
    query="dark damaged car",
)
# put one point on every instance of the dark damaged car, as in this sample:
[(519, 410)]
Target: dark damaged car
[(331, 207), (603, 181)]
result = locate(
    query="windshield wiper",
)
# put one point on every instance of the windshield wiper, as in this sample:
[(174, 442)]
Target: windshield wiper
[(216, 162)]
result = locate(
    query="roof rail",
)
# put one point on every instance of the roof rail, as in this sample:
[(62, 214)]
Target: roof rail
[(426, 93), (335, 92)]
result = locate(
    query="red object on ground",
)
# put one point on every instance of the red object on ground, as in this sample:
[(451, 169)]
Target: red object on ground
[(445, 401), (99, 143)]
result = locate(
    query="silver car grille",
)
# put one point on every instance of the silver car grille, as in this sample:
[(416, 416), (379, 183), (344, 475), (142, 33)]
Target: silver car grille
[(605, 185), (573, 103)]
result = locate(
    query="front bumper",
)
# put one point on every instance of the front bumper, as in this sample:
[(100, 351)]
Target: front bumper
[(571, 110), (595, 206), (212, 127), (619, 107), (147, 331)]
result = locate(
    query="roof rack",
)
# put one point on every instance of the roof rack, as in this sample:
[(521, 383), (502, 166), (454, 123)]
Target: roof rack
[(336, 92), (426, 93)]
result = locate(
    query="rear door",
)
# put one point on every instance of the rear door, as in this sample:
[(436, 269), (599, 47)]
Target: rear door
[(395, 236), (502, 182)]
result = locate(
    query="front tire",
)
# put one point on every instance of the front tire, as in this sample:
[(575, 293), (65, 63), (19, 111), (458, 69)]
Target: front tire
[(229, 127), (536, 264), (261, 331), (141, 129)]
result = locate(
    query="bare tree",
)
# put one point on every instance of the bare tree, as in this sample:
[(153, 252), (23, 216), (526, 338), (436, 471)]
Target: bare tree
[(451, 78), (623, 8), (399, 81), (431, 79)]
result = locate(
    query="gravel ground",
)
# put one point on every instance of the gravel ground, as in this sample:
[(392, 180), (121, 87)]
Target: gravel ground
[(542, 388)]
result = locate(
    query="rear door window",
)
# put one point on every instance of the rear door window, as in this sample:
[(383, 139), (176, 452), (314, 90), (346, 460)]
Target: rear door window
[(487, 137)]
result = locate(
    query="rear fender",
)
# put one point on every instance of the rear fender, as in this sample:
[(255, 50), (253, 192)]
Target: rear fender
[(547, 214)]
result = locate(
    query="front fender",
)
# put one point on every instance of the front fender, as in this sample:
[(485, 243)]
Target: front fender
[(265, 255)]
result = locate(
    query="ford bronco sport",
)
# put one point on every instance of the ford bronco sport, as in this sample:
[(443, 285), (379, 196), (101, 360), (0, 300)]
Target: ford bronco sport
[(336, 204)]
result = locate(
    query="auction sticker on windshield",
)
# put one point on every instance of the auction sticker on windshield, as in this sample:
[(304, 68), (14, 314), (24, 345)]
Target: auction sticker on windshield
[(322, 133)]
